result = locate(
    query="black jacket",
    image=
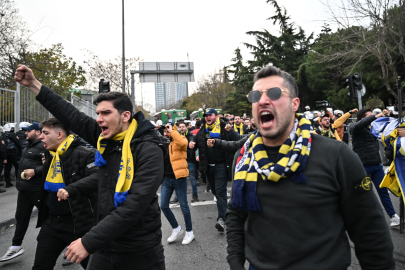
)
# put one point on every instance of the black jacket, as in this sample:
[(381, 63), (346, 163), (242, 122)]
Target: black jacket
[(31, 158), (201, 143), (190, 152), (77, 168), (136, 223), (3, 151), (365, 144), (13, 143)]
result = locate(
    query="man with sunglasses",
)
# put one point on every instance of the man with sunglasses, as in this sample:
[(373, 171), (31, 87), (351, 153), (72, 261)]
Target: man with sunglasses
[(301, 222)]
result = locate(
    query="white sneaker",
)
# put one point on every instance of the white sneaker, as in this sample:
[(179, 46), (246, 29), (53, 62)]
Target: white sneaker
[(175, 234), (215, 199), (394, 221), (188, 238), (11, 254)]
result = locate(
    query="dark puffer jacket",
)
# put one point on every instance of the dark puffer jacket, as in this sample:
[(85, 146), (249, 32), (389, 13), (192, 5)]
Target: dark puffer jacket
[(136, 223), (190, 152), (365, 144), (201, 143), (77, 166), (31, 158)]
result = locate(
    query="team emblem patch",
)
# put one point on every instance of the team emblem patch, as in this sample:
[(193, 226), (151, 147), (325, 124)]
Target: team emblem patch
[(362, 186), (366, 183)]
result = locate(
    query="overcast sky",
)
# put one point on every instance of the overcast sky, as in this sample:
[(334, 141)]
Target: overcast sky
[(160, 30)]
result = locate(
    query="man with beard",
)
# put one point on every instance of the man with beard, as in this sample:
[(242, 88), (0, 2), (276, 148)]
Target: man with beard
[(239, 126), (292, 206), (129, 156), (29, 183), (334, 130), (213, 161), (251, 127)]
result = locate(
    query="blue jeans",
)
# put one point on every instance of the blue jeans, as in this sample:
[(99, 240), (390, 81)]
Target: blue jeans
[(217, 177), (180, 186), (193, 180), (376, 173)]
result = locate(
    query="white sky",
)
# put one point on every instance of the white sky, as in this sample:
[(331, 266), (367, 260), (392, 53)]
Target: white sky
[(160, 30)]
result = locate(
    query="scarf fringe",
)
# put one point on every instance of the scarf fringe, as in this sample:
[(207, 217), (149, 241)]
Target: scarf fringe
[(99, 160), (53, 187), (120, 197), (237, 200)]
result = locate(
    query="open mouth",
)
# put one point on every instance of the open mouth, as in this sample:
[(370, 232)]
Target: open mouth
[(104, 130), (266, 118)]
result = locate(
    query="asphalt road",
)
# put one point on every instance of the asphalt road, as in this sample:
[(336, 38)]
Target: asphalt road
[(206, 252)]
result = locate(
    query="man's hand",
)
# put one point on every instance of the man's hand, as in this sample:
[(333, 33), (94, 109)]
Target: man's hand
[(43, 158), (25, 76), (29, 173), (197, 158), (76, 251), (191, 145), (169, 128), (382, 114), (62, 194), (401, 132), (355, 110), (210, 142), (228, 127), (5, 161)]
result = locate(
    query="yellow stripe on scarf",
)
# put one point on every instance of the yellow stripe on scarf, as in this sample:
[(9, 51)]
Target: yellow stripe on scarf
[(240, 128), (54, 178), (126, 171), (215, 129)]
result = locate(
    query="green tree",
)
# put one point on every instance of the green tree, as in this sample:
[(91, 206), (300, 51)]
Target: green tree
[(56, 70)]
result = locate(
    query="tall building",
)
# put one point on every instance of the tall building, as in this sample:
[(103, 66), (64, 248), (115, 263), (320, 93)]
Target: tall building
[(168, 94)]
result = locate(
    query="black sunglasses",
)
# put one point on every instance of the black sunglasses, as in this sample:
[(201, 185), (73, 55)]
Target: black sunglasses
[(273, 94)]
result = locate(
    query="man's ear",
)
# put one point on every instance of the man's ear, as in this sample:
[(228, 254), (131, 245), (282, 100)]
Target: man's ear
[(60, 135), (126, 116), (295, 104)]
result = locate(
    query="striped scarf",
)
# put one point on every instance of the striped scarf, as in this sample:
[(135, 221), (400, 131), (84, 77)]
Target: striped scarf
[(215, 129), (126, 171), (54, 179), (326, 133), (238, 128), (253, 161)]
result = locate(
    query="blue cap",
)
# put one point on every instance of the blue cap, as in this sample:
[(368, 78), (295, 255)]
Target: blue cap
[(34, 125), (211, 111)]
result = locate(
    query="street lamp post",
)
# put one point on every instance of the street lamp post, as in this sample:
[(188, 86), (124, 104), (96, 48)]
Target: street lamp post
[(123, 49)]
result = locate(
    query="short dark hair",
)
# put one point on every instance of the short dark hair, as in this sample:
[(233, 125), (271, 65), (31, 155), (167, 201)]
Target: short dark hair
[(198, 124), (362, 113), (182, 122), (55, 123), (237, 116), (289, 81), (121, 101)]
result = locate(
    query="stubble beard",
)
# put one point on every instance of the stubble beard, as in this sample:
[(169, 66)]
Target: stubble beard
[(284, 124)]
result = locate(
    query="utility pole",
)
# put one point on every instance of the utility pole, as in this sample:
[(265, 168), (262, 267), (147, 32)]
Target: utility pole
[(123, 49)]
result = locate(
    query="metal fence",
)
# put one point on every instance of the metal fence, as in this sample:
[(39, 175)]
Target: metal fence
[(84, 106), (21, 106)]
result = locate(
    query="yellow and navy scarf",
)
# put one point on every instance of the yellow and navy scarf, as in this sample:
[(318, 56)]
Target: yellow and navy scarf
[(54, 179), (215, 129), (326, 133), (240, 128), (253, 161), (184, 134), (126, 172)]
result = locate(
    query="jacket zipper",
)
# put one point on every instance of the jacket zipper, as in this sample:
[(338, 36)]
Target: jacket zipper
[(73, 218)]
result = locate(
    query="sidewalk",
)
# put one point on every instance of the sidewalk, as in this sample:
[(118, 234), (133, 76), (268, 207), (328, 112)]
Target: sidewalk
[(8, 205)]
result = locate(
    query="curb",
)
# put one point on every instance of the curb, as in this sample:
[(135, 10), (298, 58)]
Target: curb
[(8, 223)]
